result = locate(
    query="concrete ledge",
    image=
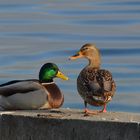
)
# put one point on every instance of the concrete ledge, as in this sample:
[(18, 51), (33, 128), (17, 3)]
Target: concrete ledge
[(67, 124)]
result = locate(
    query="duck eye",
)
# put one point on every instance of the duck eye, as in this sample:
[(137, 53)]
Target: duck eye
[(83, 49), (55, 70)]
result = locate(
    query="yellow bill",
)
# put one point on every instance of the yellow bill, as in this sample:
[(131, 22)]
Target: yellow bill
[(61, 75)]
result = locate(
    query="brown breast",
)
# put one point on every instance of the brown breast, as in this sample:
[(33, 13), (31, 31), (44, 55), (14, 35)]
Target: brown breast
[(55, 97), (96, 86)]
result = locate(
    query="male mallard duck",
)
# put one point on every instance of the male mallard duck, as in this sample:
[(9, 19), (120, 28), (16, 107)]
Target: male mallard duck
[(96, 86), (32, 93)]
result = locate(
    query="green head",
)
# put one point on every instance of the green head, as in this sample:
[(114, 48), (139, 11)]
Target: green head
[(49, 71)]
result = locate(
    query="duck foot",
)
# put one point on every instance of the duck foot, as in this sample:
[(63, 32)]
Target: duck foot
[(103, 110), (90, 112)]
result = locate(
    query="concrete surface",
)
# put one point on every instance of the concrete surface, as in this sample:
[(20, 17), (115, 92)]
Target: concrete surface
[(67, 124)]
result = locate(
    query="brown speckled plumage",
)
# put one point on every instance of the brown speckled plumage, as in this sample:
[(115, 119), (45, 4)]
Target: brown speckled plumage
[(96, 86)]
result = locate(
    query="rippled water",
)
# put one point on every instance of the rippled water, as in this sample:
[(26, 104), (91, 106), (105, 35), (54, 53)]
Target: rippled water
[(33, 32)]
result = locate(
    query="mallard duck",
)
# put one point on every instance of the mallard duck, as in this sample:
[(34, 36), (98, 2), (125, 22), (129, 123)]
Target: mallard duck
[(33, 93), (96, 86)]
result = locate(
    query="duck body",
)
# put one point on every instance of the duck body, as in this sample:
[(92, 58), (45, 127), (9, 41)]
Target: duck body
[(24, 94), (95, 86), (31, 94)]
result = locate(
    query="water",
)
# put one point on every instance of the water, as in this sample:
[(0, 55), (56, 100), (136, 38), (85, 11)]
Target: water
[(34, 32)]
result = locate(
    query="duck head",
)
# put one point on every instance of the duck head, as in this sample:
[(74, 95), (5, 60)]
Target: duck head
[(90, 52), (49, 71)]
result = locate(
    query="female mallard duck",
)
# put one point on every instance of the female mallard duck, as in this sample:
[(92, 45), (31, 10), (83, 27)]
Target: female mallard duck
[(96, 86), (32, 93)]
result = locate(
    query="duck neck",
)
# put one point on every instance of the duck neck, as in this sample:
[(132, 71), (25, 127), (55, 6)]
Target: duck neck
[(49, 83), (94, 62)]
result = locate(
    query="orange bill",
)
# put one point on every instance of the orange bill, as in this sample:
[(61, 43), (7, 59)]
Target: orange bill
[(76, 56)]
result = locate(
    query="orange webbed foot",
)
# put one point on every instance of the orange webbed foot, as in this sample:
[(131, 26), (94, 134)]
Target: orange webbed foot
[(90, 112)]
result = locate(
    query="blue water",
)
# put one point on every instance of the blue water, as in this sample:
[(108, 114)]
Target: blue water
[(33, 32)]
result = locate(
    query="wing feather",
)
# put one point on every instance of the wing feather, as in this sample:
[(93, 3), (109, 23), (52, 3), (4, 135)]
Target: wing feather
[(18, 86)]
